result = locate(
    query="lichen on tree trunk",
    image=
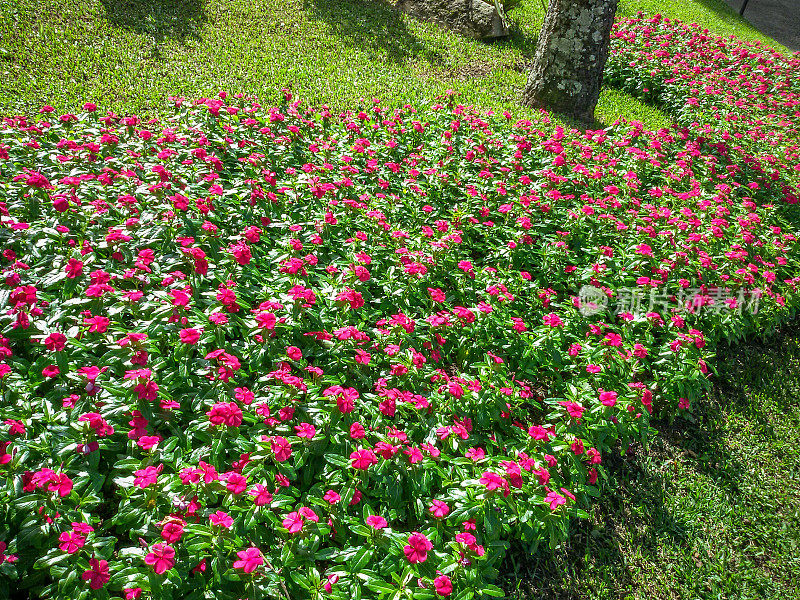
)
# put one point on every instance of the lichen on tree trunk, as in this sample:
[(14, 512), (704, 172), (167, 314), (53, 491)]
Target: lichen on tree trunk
[(568, 66)]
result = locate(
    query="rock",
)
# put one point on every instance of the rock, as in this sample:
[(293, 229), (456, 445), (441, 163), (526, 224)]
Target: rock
[(479, 19)]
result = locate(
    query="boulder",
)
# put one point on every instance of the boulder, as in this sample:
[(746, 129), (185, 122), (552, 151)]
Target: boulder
[(479, 19)]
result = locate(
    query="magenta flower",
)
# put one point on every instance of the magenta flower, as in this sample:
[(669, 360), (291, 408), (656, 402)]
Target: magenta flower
[(293, 522), (377, 522), (189, 336), (161, 558), (281, 448), (608, 398), (261, 495), (235, 483), (221, 519), (417, 549), (147, 476), (306, 430), (554, 499), (439, 509), (443, 585), (61, 484), (249, 560), (363, 459), (71, 542), (97, 574)]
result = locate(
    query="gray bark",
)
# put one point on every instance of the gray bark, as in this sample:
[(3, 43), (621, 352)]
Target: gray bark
[(568, 66)]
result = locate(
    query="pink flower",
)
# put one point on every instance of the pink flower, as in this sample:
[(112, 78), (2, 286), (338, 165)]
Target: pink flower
[(161, 558), (249, 560), (443, 585), (306, 430), (376, 522), (71, 542), (98, 324), (189, 336), (51, 371), (608, 398), (573, 409), (281, 448), (97, 574), (60, 483), (241, 253), (261, 495), (235, 483), (437, 295), (357, 431), (439, 509), (294, 353), (493, 482), (147, 476), (553, 320), (221, 519), (417, 549), (148, 442), (466, 266), (475, 454), (454, 389), (293, 522), (74, 268), (55, 341), (309, 514), (363, 459), (466, 538), (225, 413), (172, 531), (554, 499), (519, 325), (331, 497)]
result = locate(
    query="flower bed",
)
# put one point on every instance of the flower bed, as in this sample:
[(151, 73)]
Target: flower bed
[(277, 353)]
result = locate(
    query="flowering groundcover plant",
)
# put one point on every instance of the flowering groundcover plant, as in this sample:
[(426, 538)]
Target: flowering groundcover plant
[(270, 352)]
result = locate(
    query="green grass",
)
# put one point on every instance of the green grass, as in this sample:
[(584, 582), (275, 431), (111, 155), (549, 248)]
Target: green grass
[(130, 55), (711, 510)]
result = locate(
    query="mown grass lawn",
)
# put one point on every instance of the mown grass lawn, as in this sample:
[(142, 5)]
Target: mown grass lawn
[(129, 55), (712, 508)]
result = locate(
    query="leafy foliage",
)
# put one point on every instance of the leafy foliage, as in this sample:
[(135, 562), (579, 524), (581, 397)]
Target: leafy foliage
[(277, 353)]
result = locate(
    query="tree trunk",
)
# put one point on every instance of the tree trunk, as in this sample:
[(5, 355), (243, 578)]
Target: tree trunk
[(568, 66)]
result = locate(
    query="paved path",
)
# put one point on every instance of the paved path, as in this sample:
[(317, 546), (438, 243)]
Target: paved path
[(779, 19)]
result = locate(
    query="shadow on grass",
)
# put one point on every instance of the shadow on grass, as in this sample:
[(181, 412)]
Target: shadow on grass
[(159, 19), (371, 25), (631, 512), (636, 513)]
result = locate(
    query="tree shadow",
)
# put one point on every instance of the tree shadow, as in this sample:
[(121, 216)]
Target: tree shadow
[(373, 25), (159, 19), (631, 512), (634, 512), (519, 39)]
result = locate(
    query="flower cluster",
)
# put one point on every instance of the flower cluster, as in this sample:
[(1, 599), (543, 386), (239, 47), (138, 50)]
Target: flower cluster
[(272, 352)]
